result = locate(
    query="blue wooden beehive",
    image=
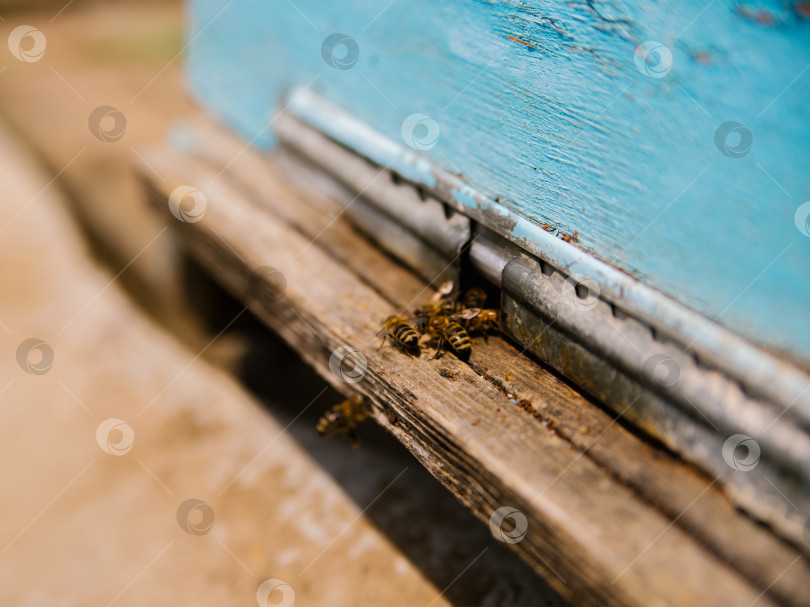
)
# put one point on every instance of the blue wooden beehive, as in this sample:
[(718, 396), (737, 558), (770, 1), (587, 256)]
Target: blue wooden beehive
[(671, 138)]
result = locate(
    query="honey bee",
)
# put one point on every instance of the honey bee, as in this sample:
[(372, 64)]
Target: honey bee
[(431, 308), (401, 333), (450, 332), (482, 321), (442, 302), (474, 298), (342, 419), (434, 308)]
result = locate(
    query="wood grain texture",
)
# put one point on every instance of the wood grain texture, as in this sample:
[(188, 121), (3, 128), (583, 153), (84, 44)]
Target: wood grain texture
[(695, 502), (287, 504), (586, 525), (542, 105)]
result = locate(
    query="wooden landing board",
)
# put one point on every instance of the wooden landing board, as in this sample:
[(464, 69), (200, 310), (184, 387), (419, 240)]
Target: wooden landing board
[(586, 485), (84, 524)]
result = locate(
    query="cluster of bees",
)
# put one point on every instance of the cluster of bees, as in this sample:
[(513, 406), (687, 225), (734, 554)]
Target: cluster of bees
[(445, 321)]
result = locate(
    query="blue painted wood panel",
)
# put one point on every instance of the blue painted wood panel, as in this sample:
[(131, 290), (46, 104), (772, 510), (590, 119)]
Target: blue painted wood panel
[(672, 137)]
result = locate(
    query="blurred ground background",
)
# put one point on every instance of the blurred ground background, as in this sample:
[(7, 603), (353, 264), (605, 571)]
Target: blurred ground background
[(225, 419)]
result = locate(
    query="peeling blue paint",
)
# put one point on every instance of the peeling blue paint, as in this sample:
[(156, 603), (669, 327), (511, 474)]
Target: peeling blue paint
[(466, 197)]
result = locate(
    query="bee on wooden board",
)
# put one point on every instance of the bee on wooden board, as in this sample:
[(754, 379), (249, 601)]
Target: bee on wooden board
[(342, 419), (425, 312), (485, 321), (473, 316), (398, 330), (447, 319), (474, 298), (441, 303), (449, 332), (477, 320)]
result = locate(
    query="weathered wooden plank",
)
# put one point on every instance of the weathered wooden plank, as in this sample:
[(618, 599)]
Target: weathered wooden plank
[(549, 106), (84, 524), (699, 505), (315, 215), (605, 542)]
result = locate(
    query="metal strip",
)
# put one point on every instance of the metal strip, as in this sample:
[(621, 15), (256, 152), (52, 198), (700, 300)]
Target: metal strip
[(660, 389), (402, 241), (489, 253), (425, 217), (759, 371)]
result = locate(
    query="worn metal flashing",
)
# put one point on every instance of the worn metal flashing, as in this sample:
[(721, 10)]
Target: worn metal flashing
[(400, 218), (757, 369)]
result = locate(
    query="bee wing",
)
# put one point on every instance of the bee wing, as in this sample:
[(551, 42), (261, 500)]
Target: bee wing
[(466, 314), (418, 322)]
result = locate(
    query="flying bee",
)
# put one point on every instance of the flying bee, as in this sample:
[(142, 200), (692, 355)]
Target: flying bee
[(449, 331), (401, 333), (474, 298), (342, 419)]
